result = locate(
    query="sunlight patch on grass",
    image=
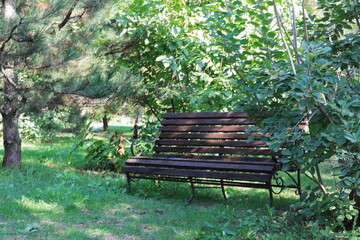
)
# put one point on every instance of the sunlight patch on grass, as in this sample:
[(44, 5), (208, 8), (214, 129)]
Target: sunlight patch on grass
[(97, 232), (40, 206), (183, 234), (30, 146)]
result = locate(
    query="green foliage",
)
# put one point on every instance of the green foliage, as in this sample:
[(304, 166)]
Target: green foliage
[(29, 131), (324, 210), (100, 154), (211, 55), (179, 62), (251, 225), (325, 90), (104, 155), (339, 17), (41, 127), (147, 136)]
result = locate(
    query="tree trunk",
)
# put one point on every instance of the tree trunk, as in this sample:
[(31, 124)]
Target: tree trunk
[(136, 127), (105, 123), (10, 115)]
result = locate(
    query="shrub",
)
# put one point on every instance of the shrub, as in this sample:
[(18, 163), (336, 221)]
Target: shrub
[(100, 154)]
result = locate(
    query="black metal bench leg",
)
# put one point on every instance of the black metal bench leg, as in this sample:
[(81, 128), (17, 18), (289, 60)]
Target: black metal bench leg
[(223, 189), (270, 195), (128, 182), (192, 190)]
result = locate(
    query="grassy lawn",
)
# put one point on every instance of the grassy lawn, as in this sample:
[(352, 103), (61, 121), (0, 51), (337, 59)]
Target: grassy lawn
[(49, 199), (97, 127)]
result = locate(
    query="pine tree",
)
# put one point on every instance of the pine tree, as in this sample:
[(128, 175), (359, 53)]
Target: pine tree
[(38, 38)]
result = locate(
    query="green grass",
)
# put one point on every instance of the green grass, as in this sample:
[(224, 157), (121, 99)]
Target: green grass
[(127, 130), (123, 129), (49, 199)]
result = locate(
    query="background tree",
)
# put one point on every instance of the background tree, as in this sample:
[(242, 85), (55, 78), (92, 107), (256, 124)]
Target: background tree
[(38, 40)]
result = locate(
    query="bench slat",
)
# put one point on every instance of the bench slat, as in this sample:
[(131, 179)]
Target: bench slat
[(198, 173), (219, 143), (242, 151), (217, 121), (211, 157), (206, 115), (208, 135), (201, 165), (183, 158), (203, 129)]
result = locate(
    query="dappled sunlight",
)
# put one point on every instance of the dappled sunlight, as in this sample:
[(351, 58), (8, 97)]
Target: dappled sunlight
[(40, 206), (260, 104)]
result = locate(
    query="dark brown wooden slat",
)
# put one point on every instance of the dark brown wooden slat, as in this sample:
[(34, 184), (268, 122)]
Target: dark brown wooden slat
[(245, 161), (219, 143), (206, 115), (201, 165), (217, 121), (197, 173), (210, 157), (240, 151), (203, 129), (207, 135)]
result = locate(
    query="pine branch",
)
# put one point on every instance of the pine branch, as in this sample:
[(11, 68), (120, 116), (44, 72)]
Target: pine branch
[(78, 16), (68, 15), (10, 35), (122, 49), (23, 40), (62, 92)]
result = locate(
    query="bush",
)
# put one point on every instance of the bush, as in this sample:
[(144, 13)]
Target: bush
[(271, 225), (100, 154), (104, 155), (324, 210)]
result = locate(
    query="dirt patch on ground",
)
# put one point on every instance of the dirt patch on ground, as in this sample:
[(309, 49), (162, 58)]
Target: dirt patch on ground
[(146, 228), (112, 211), (115, 237), (136, 211), (15, 237)]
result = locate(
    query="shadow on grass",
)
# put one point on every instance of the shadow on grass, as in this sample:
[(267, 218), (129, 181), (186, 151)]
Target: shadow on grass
[(61, 203), (244, 198), (64, 204)]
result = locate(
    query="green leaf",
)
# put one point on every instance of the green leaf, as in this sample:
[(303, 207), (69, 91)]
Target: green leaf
[(271, 34), (175, 31), (286, 152)]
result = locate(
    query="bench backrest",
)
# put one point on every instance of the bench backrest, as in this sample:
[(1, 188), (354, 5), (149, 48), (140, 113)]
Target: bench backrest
[(211, 135)]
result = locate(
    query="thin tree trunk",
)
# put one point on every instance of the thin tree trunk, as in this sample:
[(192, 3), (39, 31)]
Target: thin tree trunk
[(10, 115), (278, 20), (136, 126), (105, 123)]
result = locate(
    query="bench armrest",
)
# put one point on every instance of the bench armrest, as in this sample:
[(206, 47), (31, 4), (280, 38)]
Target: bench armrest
[(139, 152)]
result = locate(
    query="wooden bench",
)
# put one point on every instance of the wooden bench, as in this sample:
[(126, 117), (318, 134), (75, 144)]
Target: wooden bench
[(213, 149)]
